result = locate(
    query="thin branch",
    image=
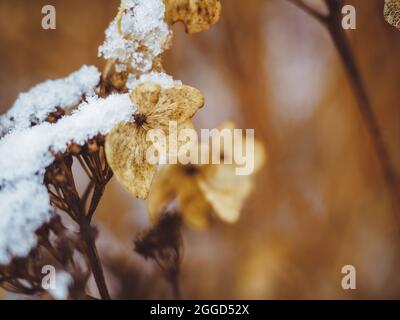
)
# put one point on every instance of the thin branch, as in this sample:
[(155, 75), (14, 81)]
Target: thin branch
[(87, 192), (364, 104), (86, 231), (333, 25), (97, 194), (311, 11), (94, 260)]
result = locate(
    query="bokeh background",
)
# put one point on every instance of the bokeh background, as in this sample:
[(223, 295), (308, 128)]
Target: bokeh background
[(319, 204)]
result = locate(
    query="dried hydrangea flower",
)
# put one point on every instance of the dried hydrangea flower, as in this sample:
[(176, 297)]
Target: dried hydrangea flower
[(197, 15), (126, 144), (198, 188), (392, 12)]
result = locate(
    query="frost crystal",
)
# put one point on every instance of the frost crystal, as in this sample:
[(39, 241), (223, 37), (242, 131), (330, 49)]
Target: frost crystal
[(35, 105), (163, 79), (24, 200), (143, 35)]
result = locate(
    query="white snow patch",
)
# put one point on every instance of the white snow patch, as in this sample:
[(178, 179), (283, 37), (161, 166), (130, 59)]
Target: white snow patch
[(161, 78), (36, 104), (24, 201), (146, 35)]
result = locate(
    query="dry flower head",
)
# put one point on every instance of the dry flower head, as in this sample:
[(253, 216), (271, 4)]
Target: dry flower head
[(392, 12), (197, 15), (199, 188), (126, 144)]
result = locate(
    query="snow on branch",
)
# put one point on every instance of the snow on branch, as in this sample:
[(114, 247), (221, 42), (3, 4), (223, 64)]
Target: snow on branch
[(161, 78), (34, 106), (135, 40), (24, 200)]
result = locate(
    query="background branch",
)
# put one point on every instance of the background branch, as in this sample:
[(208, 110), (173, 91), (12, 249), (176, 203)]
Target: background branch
[(333, 24)]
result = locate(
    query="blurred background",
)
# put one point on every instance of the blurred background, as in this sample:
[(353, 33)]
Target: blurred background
[(319, 204)]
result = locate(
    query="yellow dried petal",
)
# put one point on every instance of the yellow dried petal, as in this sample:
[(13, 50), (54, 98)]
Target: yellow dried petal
[(126, 148), (225, 191), (179, 104), (223, 188), (197, 15), (126, 145), (260, 153), (145, 97), (163, 191), (392, 12), (173, 183), (193, 205)]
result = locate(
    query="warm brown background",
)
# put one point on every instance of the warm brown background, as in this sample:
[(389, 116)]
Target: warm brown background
[(321, 202)]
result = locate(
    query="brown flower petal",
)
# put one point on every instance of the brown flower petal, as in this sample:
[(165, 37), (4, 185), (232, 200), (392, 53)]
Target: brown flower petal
[(199, 187), (126, 145), (163, 190), (193, 204), (197, 15), (178, 104), (172, 182), (145, 97), (224, 190), (392, 12), (126, 148)]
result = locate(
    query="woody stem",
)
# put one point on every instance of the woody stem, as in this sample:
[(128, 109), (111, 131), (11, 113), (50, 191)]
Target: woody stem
[(94, 260)]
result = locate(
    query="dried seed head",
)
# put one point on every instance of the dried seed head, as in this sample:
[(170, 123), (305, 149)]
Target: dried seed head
[(164, 235), (74, 149), (51, 118), (60, 178), (118, 80), (92, 146), (197, 15), (392, 12)]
